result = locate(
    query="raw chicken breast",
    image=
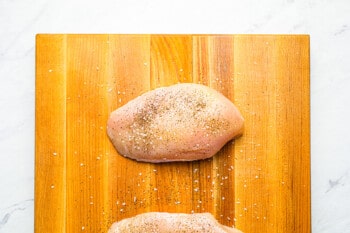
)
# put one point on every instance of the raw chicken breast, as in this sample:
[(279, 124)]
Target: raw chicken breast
[(183, 122), (162, 222)]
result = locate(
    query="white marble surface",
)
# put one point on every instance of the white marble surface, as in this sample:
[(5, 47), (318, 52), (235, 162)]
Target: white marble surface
[(327, 22)]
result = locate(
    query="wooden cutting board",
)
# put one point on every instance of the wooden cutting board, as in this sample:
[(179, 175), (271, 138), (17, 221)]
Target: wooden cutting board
[(260, 182)]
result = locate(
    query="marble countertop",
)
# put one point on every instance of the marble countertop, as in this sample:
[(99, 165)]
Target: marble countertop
[(327, 22)]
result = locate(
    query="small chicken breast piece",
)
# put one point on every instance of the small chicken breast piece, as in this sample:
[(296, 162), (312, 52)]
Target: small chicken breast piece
[(162, 222), (183, 122)]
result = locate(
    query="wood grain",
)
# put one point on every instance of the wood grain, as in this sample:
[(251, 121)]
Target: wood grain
[(50, 134), (259, 182)]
